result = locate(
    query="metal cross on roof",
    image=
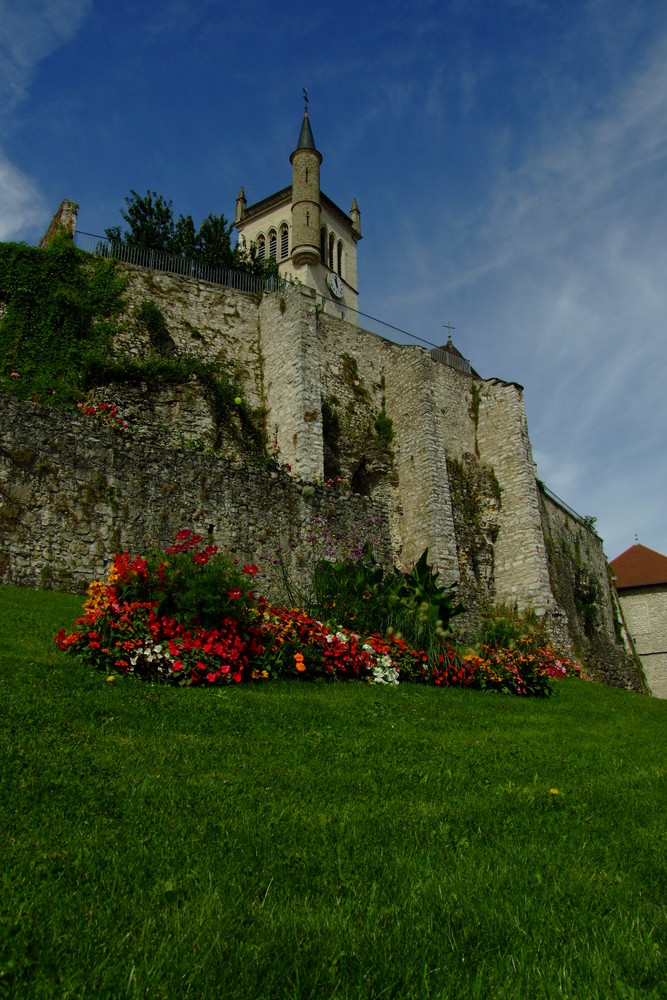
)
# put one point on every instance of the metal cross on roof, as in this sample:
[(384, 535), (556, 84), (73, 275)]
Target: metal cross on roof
[(448, 326)]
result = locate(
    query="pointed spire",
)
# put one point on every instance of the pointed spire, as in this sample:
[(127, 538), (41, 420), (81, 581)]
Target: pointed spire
[(241, 203), (355, 217), (306, 140)]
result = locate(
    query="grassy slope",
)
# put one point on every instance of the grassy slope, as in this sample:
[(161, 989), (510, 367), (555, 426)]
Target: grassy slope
[(334, 841)]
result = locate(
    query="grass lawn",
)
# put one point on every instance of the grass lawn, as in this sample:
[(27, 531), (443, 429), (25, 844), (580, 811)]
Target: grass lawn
[(334, 841)]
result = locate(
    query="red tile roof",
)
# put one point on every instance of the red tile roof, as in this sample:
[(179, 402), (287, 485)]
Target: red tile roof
[(639, 567)]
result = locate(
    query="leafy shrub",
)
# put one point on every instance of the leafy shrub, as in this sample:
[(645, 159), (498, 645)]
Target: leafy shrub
[(364, 595)]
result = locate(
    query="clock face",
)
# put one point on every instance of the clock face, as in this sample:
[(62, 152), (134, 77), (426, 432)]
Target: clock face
[(335, 285)]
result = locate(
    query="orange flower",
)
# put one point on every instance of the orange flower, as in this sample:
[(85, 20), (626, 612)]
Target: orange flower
[(300, 665)]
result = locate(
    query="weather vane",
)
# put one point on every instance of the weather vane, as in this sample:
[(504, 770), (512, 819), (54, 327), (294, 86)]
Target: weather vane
[(305, 98)]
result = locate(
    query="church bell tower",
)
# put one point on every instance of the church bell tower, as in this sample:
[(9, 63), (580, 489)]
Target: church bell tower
[(305, 162)]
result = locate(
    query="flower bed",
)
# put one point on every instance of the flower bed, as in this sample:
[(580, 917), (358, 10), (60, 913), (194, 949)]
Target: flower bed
[(189, 616)]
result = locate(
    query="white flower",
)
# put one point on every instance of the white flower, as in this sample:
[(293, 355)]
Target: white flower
[(385, 675)]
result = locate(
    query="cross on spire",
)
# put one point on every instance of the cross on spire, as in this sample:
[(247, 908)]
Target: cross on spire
[(448, 327), (305, 100)]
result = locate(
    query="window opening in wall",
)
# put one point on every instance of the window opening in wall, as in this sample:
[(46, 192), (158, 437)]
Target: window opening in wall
[(261, 247), (340, 258), (284, 242), (332, 243), (323, 245), (273, 244)]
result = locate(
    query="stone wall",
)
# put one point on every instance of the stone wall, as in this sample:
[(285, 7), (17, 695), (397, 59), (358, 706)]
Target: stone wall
[(521, 573), (444, 456), (586, 600), (645, 614), (73, 492)]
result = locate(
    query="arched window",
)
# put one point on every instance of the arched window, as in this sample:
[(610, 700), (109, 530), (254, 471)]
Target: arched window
[(261, 247), (340, 258), (332, 244), (323, 245), (284, 241), (273, 244)]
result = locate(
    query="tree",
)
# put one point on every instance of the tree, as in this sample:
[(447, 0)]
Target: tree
[(214, 242), (151, 224)]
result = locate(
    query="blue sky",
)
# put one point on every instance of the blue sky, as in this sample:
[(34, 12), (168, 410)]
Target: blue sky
[(509, 158)]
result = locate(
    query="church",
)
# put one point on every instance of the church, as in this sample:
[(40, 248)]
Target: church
[(312, 239)]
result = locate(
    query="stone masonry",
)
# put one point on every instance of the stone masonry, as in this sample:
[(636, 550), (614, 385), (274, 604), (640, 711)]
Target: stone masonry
[(71, 493)]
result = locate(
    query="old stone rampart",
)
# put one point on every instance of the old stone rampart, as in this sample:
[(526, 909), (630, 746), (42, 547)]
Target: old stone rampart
[(586, 599), (75, 491), (441, 457)]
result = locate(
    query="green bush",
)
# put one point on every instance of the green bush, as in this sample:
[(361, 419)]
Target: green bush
[(362, 595)]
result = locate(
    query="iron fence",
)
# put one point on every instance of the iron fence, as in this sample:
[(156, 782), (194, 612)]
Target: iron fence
[(587, 522), (158, 260)]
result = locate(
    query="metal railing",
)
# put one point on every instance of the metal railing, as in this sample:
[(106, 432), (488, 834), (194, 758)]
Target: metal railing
[(445, 357), (585, 521), (158, 260)]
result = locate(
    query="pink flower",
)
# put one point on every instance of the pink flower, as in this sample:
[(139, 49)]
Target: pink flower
[(15, 375)]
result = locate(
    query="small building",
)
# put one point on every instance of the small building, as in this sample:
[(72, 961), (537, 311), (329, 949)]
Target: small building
[(312, 240), (641, 581)]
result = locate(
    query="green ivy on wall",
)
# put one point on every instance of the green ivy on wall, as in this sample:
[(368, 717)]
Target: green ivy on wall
[(62, 308)]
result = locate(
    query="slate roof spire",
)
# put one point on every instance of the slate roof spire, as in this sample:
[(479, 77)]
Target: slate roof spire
[(306, 140)]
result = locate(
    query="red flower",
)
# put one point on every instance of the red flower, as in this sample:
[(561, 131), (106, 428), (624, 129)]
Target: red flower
[(250, 570), (234, 594)]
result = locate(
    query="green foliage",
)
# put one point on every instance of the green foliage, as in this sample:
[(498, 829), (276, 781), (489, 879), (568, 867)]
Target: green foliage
[(384, 428), (350, 373), (502, 626), (189, 582), (242, 423), (150, 317), (586, 601), (150, 221), (361, 594), (61, 307), (473, 405)]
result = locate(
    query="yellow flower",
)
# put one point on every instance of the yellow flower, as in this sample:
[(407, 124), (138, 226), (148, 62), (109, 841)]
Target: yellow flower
[(554, 791), (110, 678)]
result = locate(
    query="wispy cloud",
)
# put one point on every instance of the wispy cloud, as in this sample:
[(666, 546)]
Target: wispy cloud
[(29, 32), (20, 204)]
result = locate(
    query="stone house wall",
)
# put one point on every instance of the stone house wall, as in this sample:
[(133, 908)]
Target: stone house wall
[(645, 614)]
